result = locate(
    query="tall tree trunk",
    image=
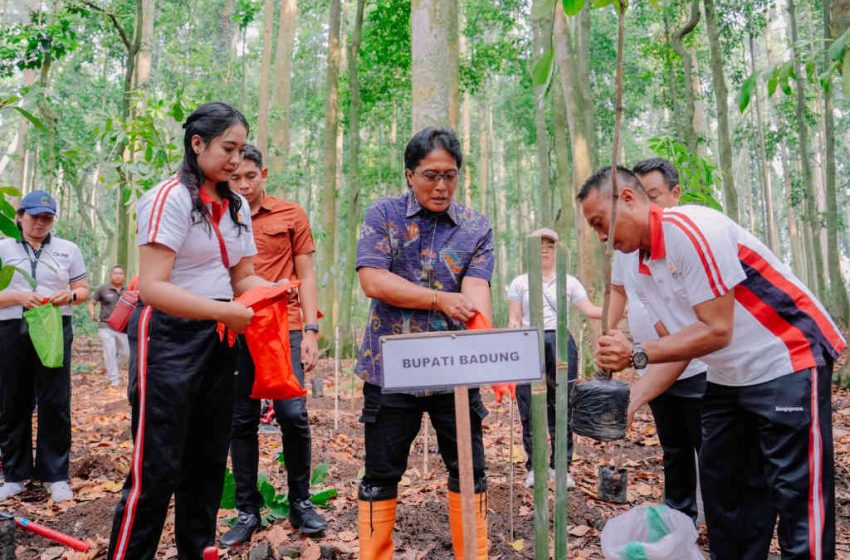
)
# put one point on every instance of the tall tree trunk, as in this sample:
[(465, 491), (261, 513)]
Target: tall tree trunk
[(434, 63), (766, 179), (566, 218), (542, 47), (326, 266), (224, 43), (353, 173), (687, 124), (816, 278), (838, 303), (282, 100), (466, 135), (721, 95), (265, 77)]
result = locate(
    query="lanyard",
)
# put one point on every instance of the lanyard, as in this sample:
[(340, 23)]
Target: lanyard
[(34, 257), (221, 245)]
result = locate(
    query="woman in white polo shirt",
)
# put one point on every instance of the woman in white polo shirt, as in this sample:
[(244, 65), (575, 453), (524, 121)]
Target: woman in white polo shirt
[(195, 248), (58, 269)]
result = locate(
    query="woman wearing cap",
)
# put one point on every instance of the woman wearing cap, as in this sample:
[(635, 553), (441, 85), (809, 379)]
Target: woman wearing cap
[(195, 248), (518, 315), (56, 265)]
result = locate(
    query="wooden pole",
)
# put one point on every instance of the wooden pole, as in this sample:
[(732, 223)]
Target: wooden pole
[(511, 471), (351, 391), (336, 378), (562, 408), (467, 482), (427, 422), (539, 424)]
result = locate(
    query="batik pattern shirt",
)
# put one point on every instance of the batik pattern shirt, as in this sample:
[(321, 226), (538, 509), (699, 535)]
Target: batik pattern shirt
[(435, 251)]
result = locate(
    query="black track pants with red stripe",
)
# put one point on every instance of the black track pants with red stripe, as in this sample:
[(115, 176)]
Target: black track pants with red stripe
[(767, 451), (181, 390)]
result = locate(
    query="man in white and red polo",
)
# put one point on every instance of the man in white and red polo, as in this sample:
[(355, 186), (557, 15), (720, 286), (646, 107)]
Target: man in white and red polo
[(769, 346)]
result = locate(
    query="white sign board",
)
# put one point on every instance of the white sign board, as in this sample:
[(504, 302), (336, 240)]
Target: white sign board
[(439, 360)]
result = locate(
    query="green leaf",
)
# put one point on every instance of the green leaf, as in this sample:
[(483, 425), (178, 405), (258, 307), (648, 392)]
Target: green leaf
[(573, 7), (595, 4), (747, 89), (281, 459), (228, 495), (280, 512), (6, 274), (267, 491), (322, 498), (542, 68), (845, 78), (773, 81), (839, 46), (6, 208), (36, 122), (9, 228), (319, 474), (30, 280), (10, 191)]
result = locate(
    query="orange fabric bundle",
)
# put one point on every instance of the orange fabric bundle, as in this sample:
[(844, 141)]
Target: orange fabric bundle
[(480, 323), (268, 342)]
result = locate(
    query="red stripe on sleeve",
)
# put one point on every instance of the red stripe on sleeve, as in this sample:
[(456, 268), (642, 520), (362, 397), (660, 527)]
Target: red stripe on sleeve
[(801, 299), (165, 191), (799, 347), (701, 253), (699, 232)]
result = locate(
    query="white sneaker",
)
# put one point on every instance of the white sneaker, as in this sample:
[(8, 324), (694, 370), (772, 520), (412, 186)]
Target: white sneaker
[(570, 482), (529, 480), (10, 489), (60, 491)]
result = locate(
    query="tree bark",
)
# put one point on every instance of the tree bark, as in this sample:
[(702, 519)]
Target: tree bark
[(326, 266), (816, 278), (353, 174), (265, 77), (434, 63), (566, 218), (838, 303), (687, 124), (721, 95), (541, 47), (282, 100)]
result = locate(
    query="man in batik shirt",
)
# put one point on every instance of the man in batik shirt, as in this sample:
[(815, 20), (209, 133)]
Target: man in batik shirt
[(426, 262)]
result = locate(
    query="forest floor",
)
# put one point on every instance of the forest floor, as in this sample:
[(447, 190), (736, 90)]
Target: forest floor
[(102, 447)]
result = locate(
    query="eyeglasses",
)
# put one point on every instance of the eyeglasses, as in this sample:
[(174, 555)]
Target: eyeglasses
[(450, 177)]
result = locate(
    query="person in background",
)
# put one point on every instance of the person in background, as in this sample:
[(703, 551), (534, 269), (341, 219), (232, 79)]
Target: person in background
[(116, 347), (284, 252), (57, 267), (678, 411), (426, 262), (519, 316), (195, 248)]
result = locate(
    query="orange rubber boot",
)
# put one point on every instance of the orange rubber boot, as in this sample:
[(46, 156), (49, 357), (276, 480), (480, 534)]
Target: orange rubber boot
[(376, 521), (456, 522)]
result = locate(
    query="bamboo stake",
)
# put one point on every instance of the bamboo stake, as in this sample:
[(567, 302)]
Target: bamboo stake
[(562, 408), (336, 378), (351, 391), (467, 483), (511, 471), (539, 424)]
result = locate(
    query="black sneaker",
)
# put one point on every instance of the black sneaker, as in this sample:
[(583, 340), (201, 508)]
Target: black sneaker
[(241, 532), (304, 516)]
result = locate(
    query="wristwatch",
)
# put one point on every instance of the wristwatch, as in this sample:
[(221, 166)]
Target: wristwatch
[(312, 327), (73, 297), (639, 357)]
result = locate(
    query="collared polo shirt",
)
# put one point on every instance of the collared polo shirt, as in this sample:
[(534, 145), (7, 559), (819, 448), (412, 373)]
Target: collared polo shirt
[(435, 251), (624, 273), (54, 266), (518, 291), (107, 295), (698, 254), (165, 216), (282, 232)]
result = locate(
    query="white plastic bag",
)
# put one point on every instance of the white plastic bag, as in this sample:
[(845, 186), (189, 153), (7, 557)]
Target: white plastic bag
[(650, 533)]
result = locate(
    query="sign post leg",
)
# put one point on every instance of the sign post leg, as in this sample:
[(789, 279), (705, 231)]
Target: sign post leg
[(467, 483)]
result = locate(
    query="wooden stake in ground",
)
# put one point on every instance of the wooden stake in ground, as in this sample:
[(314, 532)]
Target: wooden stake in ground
[(336, 378), (426, 421), (511, 469), (561, 407), (467, 482), (539, 423), (353, 377)]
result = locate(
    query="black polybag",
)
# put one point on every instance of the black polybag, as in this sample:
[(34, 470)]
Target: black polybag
[(598, 409)]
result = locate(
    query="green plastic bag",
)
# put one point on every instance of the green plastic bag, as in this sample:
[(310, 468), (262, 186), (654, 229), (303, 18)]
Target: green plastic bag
[(45, 327)]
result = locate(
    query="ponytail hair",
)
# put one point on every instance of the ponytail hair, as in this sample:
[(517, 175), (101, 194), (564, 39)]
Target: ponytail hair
[(209, 121)]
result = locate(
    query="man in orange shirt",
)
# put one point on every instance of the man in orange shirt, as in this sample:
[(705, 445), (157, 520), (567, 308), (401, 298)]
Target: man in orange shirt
[(284, 251)]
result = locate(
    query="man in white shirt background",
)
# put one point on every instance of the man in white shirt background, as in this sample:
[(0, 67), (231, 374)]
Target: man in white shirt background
[(519, 315)]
